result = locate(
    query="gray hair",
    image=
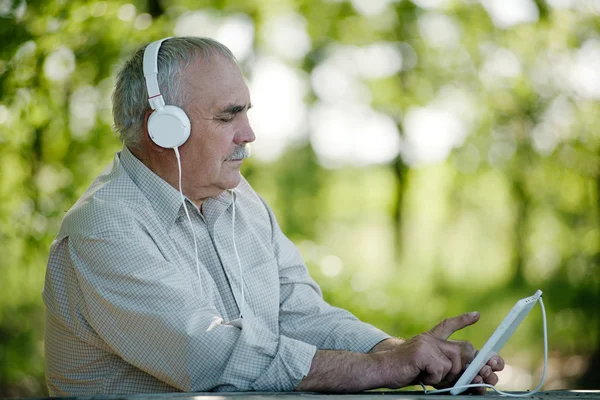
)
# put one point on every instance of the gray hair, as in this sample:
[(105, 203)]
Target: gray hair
[(130, 97)]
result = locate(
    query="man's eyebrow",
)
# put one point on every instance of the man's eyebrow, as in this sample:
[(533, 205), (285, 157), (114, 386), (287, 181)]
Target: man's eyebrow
[(234, 109)]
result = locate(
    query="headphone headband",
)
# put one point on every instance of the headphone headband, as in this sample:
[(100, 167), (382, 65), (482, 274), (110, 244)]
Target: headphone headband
[(168, 125), (151, 74)]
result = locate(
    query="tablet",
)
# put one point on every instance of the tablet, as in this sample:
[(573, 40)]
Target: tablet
[(497, 340)]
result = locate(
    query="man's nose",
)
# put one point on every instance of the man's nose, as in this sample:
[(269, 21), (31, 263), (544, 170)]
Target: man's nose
[(245, 134)]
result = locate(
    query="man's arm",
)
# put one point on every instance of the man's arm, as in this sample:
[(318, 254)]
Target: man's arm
[(340, 371), (394, 363), (425, 356), (147, 312)]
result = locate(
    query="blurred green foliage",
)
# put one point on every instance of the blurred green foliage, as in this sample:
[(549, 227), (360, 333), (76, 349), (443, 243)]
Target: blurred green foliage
[(512, 208)]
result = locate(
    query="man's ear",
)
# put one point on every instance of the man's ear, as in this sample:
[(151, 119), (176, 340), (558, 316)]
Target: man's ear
[(153, 145)]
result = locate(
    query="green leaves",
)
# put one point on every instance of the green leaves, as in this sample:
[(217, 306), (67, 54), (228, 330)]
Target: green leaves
[(494, 192)]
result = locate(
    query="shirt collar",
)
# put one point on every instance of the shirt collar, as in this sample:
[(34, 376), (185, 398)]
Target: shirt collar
[(165, 199), (213, 207)]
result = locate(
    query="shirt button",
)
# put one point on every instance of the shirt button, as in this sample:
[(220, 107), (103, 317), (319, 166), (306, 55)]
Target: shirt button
[(180, 218)]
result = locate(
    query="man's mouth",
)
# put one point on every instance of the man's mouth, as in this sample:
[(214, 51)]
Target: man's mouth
[(241, 152)]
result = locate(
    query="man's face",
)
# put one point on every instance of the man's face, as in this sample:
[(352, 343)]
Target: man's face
[(218, 102)]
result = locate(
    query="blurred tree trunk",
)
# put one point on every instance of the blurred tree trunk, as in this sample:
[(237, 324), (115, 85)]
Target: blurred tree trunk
[(520, 238), (401, 172), (155, 8)]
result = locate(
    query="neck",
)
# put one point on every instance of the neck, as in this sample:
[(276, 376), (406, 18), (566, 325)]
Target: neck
[(164, 164)]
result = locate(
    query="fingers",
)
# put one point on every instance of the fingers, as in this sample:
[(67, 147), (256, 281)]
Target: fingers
[(441, 361), (488, 375), (438, 360), (478, 390), (452, 352), (496, 363), (436, 370), (467, 351), (447, 327)]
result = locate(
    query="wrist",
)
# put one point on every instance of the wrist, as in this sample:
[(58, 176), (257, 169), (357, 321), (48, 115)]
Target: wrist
[(376, 376)]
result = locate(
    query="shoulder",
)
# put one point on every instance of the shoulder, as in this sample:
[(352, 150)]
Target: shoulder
[(111, 203)]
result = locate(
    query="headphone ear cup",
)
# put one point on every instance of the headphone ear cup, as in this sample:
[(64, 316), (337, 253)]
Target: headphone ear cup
[(169, 127)]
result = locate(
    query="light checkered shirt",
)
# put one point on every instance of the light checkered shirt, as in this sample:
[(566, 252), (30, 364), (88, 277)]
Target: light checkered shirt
[(126, 312)]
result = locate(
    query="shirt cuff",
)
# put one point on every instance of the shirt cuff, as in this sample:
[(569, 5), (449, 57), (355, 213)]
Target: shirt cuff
[(290, 365)]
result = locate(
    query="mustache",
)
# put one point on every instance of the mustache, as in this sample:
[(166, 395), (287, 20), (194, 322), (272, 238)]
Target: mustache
[(241, 151)]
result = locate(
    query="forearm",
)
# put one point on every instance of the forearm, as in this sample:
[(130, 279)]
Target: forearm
[(342, 372)]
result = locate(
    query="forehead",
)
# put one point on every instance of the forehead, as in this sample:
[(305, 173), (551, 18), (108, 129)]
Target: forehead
[(214, 83)]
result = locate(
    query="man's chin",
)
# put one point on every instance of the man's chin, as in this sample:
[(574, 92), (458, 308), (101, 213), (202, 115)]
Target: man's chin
[(232, 181)]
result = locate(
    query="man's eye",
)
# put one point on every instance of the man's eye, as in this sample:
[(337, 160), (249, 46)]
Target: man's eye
[(228, 119)]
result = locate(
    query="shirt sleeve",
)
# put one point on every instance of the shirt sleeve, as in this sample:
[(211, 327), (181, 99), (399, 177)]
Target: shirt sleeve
[(147, 312), (304, 315)]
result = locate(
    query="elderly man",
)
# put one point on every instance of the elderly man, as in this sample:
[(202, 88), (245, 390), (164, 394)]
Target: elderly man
[(153, 290)]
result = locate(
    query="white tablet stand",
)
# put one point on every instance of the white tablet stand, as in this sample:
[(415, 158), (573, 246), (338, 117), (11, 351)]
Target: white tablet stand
[(495, 343)]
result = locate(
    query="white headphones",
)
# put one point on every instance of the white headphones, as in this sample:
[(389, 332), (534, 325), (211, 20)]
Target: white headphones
[(169, 126)]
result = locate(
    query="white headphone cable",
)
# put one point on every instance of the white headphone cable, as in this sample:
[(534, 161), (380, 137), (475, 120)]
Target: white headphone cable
[(189, 219), (237, 256), (498, 390)]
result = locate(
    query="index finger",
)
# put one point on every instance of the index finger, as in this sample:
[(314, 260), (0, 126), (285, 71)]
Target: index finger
[(447, 327)]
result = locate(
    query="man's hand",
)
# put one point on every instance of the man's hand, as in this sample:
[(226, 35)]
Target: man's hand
[(487, 374), (434, 360)]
